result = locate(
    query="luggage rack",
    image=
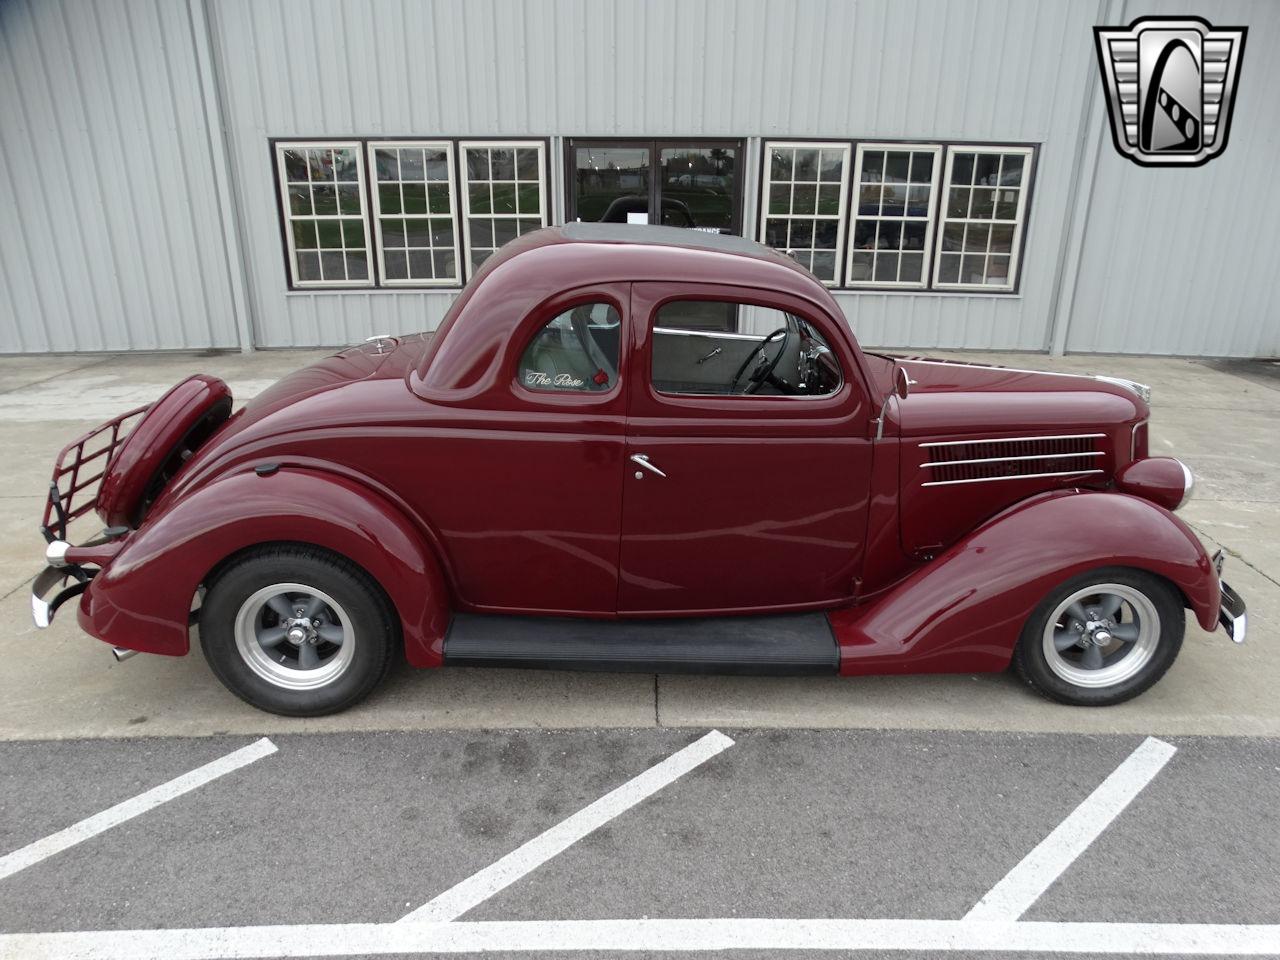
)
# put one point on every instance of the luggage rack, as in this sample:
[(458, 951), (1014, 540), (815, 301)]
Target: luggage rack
[(71, 494)]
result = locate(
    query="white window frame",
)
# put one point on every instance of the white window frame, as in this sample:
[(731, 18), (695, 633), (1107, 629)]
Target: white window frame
[(929, 219), (464, 187), (841, 216), (377, 214), (356, 146), (1019, 221)]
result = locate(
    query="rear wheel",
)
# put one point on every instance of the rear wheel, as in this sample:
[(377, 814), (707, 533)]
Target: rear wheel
[(1102, 637), (297, 631)]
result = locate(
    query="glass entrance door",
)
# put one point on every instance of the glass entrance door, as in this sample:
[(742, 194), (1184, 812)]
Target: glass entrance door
[(611, 184), (694, 184), (699, 187)]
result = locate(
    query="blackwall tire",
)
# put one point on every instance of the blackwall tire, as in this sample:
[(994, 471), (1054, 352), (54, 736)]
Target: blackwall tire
[(297, 631), (1102, 637)]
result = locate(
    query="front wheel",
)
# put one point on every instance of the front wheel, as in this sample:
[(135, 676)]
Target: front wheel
[(296, 631), (1102, 637)]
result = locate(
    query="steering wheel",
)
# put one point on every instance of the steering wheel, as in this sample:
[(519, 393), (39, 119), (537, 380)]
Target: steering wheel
[(764, 368)]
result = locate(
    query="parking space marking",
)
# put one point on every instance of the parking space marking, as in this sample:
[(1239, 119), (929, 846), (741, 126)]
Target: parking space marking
[(90, 827), (1024, 884), (500, 874), (372, 939)]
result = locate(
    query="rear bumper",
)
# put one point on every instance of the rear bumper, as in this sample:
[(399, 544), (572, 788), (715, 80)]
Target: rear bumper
[(53, 587), (70, 570), (1232, 615)]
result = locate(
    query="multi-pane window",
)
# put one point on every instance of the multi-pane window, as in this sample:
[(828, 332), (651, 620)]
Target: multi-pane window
[(921, 216), (982, 217), (414, 223), (892, 214), (503, 195), (805, 185), (322, 186), (406, 212)]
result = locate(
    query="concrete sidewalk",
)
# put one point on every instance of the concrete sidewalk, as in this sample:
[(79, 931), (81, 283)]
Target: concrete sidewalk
[(1221, 419)]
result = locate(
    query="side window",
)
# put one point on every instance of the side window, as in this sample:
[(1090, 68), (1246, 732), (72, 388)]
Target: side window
[(576, 352), (723, 348)]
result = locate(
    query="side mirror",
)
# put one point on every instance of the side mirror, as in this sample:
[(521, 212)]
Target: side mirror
[(902, 385)]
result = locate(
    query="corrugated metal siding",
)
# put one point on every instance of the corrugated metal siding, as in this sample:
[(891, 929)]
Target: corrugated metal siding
[(111, 237), (1184, 261), (985, 70)]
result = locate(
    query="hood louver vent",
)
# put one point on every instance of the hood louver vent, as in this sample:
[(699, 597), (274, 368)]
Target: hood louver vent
[(1014, 458)]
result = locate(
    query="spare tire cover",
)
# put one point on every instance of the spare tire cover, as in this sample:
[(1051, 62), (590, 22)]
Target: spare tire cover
[(198, 401)]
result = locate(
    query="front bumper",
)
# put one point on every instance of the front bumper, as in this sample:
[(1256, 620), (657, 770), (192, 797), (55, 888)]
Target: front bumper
[(1232, 614)]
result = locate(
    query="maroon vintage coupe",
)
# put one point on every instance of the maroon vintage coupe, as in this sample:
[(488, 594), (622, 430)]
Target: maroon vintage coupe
[(637, 448)]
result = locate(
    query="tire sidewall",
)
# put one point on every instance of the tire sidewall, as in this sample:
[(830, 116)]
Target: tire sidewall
[(1032, 665), (353, 591)]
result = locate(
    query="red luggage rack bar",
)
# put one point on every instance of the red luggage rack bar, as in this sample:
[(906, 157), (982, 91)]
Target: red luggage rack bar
[(81, 493)]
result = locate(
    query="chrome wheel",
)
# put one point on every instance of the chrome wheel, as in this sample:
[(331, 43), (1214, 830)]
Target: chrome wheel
[(294, 636), (1101, 635)]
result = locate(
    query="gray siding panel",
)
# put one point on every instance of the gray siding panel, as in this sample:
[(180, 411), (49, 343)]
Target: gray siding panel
[(106, 177), (983, 70), (113, 234), (1184, 261)]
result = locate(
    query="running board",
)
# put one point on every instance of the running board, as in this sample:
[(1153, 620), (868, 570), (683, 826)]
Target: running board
[(778, 645)]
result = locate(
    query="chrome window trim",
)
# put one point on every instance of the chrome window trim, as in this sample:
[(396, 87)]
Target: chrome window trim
[(717, 334), (1023, 476), (1060, 436)]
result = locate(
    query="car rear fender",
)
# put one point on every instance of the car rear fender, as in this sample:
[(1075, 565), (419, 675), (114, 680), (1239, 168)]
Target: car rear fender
[(142, 598), (965, 610)]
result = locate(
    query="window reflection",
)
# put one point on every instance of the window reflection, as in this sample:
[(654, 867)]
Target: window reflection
[(690, 186)]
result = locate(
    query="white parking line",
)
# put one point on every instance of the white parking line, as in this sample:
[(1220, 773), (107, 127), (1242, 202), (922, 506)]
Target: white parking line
[(33, 853), (500, 874), (1023, 885), (599, 936)]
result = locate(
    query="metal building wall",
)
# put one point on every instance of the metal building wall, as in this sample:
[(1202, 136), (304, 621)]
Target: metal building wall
[(1183, 261), (111, 237), (984, 70), (112, 196)]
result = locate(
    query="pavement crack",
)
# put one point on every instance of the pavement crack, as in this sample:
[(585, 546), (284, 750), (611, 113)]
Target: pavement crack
[(24, 583), (657, 719), (62, 373), (1235, 554)]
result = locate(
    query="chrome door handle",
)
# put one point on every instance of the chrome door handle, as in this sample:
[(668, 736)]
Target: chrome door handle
[(642, 460)]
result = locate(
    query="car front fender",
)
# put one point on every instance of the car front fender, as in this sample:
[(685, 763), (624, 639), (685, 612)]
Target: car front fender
[(142, 598), (964, 611)]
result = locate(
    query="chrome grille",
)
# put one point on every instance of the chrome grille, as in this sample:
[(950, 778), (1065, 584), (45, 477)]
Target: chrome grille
[(1012, 458)]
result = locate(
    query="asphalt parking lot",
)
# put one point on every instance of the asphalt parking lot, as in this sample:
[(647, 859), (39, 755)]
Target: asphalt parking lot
[(334, 838), (143, 814)]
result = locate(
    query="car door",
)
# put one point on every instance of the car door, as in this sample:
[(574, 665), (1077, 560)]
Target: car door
[(737, 503)]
